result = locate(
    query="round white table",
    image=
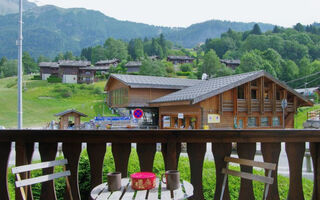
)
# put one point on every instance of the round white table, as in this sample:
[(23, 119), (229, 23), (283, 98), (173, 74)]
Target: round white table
[(101, 192)]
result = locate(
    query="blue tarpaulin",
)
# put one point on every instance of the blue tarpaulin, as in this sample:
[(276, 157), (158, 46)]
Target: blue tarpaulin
[(112, 118)]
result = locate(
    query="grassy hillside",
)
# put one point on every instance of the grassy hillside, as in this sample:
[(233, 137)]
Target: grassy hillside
[(301, 115), (42, 100)]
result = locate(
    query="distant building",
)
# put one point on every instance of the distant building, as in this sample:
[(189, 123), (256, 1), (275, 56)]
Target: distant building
[(154, 57), (180, 59), (308, 92), (69, 70), (233, 64), (133, 66), (48, 68), (106, 63)]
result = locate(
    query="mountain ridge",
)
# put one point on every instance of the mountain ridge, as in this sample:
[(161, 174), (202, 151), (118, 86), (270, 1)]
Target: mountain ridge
[(49, 30)]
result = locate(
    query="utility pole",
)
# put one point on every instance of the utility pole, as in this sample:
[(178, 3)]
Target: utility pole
[(20, 73)]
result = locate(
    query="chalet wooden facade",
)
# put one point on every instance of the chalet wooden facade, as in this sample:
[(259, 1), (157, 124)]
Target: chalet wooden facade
[(135, 91), (244, 101), (75, 71), (180, 59), (233, 64), (47, 69), (133, 66)]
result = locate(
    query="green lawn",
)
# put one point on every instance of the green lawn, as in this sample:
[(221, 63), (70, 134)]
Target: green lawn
[(41, 100)]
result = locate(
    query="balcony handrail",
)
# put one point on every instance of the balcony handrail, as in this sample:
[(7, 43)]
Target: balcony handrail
[(171, 140)]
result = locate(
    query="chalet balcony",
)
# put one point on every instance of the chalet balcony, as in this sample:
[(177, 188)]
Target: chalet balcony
[(246, 140)]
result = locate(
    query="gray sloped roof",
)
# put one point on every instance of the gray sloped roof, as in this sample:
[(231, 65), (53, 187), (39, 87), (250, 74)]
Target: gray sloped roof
[(219, 85), (70, 111), (49, 64), (138, 81), (74, 63), (133, 64)]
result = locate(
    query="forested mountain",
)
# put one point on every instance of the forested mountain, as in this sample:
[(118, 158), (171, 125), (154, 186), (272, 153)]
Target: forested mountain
[(198, 33), (12, 6), (49, 30)]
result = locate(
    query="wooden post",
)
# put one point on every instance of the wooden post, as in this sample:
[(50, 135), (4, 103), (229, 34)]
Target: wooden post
[(274, 98), (5, 149), (248, 97), (221, 104), (262, 95), (235, 101)]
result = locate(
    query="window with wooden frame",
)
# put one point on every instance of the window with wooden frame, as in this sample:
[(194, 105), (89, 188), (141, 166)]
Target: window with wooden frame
[(253, 93), (241, 92), (264, 121), (278, 95), (252, 121), (266, 91), (275, 121)]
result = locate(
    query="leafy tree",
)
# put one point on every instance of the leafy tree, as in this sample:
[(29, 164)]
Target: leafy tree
[(42, 58), (69, 56), (163, 44), (299, 27), (256, 30), (29, 64), (276, 29), (305, 67), (98, 53), (153, 68), (211, 63), (3, 60), (135, 49), (116, 49), (10, 68), (86, 53), (224, 71), (156, 48), (250, 61), (60, 56), (290, 71), (275, 58)]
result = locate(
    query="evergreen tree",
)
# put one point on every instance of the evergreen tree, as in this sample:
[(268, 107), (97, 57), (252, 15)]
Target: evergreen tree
[(256, 30)]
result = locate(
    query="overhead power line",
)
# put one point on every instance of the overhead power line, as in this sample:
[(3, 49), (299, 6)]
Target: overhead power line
[(307, 83), (303, 77)]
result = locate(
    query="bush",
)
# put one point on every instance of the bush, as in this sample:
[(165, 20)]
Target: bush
[(179, 73), (54, 79), (97, 90), (186, 67), (36, 77), (158, 168)]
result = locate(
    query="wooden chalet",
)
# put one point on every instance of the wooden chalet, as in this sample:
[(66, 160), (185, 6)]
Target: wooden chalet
[(133, 66), (245, 101), (136, 91), (233, 64), (47, 69), (180, 59), (106, 63), (69, 70)]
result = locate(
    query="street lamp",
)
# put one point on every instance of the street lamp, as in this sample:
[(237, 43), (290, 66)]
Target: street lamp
[(20, 73)]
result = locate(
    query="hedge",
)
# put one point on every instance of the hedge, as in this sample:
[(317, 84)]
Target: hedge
[(54, 79), (158, 168)]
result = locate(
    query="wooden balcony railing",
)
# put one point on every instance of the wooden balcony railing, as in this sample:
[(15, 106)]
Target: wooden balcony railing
[(146, 140)]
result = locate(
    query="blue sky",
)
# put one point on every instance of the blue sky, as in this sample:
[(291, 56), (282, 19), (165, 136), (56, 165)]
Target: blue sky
[(182, 13)]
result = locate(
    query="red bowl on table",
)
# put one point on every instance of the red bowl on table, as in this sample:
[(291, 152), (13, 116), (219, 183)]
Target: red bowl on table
[(143, 180)]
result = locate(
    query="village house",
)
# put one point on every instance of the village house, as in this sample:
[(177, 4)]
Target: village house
[(108, 63), (47, 69), (233, 64), (180, 59), (69, 70), (243, 101), (133, 66), (136, 91)]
